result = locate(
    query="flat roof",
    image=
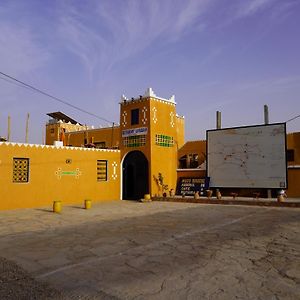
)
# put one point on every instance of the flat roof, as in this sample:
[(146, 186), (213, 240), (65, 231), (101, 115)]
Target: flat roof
[(61, 116)]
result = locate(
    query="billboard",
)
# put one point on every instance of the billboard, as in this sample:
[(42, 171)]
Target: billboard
[(247, 157)]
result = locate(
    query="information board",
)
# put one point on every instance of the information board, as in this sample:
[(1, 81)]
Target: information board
[(247, 157), (188, 186)]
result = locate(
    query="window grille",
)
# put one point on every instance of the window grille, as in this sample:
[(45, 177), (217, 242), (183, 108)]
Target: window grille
[(134, 141), (101, 170), (20, 170), (164, 140)]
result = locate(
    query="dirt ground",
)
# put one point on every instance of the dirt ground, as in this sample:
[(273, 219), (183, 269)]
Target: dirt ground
[(130, 250)]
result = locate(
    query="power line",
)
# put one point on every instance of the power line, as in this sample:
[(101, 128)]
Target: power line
[(28, 86), (293, 118)]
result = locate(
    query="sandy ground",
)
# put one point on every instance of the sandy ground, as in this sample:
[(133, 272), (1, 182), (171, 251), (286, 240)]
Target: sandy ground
[(129, 250)]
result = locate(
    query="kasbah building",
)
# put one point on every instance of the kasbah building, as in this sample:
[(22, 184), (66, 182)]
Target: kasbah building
[(118, 162)]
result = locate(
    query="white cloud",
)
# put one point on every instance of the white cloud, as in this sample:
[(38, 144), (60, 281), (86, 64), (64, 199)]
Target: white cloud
[(126, 29), (251, 7)]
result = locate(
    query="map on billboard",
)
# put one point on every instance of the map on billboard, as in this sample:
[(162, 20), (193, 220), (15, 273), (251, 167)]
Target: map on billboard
[(247, 157)]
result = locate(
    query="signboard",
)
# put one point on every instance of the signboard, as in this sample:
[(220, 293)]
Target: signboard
[(135, 131), (188, 186), (247, 157)]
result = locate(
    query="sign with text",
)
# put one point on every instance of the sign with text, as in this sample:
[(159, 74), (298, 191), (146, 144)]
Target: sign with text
[(188, 186), (135, 131)]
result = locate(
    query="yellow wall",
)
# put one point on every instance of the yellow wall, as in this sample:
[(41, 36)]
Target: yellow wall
[(111, 137), (180, 131), (194, 147), (164, 159), (196, 173), (46, 180), (293, 142)]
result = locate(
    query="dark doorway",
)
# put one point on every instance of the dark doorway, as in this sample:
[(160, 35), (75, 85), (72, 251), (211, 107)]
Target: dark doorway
[(135, 176)]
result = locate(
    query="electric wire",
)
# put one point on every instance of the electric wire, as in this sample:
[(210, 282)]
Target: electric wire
[(31, 87), (20, 83), (292, 119)]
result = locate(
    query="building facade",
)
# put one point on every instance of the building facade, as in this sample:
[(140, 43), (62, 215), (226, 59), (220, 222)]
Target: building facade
[(144, 154)]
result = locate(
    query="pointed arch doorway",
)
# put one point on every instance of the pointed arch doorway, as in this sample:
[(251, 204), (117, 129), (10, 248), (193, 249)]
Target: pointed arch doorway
[(135, 176)]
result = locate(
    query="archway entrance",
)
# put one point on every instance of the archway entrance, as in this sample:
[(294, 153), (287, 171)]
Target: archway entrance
[(135, 176)]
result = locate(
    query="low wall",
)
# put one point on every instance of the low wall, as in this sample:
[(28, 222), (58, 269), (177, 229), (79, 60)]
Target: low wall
[(36, 175)]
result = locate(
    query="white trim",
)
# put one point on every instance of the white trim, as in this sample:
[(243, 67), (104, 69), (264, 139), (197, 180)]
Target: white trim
[(58, 148), (294, 167)]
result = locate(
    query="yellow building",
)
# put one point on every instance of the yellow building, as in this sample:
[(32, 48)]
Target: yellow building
[(149, 136), (145, 154), (63, 128)]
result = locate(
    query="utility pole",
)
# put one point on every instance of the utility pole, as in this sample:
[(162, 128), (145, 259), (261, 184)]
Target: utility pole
[(218, 120), (27, 128), (112, 135), (266, 114), (266, 120), (218, 126), (8, 128), (43, 137)]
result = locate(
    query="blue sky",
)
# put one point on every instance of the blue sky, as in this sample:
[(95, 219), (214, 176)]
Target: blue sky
[(228, 55)]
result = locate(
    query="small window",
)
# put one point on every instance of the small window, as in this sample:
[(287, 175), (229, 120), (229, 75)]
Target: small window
[(290, 155), (135, 116), (20, 170), (101, 170), (194, 160), (183, 162)]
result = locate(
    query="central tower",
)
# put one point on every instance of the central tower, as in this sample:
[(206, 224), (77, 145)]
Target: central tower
[(150, 134)]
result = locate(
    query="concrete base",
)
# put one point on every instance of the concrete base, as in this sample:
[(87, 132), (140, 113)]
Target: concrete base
[(245, 201)]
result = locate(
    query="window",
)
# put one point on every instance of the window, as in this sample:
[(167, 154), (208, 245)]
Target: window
[(135, 116), (134, 141), (194, 160), (20, 170), (183, 162), (164, 140), (290, 155), (101, 170), (189, 161)]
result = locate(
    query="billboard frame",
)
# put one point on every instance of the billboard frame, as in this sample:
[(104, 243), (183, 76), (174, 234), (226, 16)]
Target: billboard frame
[(248, 126)]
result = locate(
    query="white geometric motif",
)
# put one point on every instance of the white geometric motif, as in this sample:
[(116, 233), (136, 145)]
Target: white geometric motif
[(114, 175), (172, 119), (144, 110), (154, 115), (124, 123)]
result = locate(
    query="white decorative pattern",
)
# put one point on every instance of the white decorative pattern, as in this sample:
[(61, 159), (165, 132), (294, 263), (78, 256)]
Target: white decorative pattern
[(59, 173), (154, 115), (172, 123), (21, 145), (114, 175), (144, 119), (124, 115)]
